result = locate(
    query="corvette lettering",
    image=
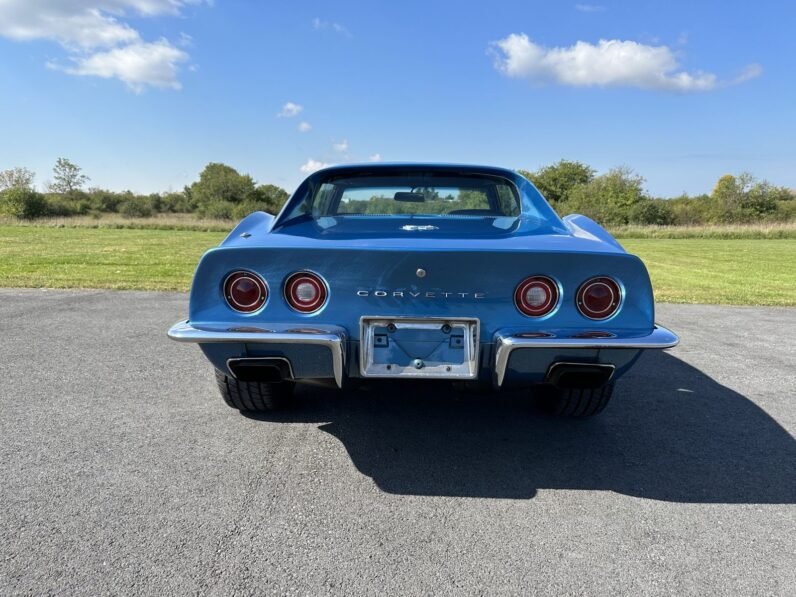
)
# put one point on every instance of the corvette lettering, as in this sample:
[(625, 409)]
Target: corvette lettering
[(418, 295)]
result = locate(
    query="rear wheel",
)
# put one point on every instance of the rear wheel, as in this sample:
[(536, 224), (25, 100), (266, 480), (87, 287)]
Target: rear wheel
[(575, 402), (253, 396)]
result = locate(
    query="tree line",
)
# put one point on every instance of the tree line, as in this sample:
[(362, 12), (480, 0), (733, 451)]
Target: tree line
[(220, 193), (616, 197)]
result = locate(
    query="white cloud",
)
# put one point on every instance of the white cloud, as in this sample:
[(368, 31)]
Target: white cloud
[(97, 39), (609, 63), (304, 127), (589, 7), (376, 157), (138, 65), (320, 25), (749, 72), (311, 166), (290, 109), (342, 146)]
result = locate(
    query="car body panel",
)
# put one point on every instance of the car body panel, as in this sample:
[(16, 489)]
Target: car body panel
[(425, 266)]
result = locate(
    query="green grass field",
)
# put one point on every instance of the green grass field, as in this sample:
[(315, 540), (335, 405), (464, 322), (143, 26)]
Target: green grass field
[(683, 270)]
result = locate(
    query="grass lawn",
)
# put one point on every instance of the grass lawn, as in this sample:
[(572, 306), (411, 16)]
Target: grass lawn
[(690, 270), (717, 271), (101, 258)]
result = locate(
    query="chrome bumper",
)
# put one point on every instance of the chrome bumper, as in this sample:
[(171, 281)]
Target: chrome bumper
[(329, 336), (506, 344)]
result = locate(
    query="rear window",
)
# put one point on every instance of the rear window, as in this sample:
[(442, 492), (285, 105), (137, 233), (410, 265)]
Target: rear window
[(411, 194)]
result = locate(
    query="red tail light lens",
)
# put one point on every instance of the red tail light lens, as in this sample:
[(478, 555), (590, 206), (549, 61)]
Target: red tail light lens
[(245, 292), (599, 298), (305, 292), (536, 296)]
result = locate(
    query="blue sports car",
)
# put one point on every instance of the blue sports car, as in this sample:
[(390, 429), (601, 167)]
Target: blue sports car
[(421, 272)]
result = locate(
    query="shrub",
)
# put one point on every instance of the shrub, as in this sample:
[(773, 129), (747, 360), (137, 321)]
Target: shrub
[(104, 201), (176, 203), (217, 209), (556, 182), (135, 207), (651, 211), (57, 206), (22, 203), (609, 198)]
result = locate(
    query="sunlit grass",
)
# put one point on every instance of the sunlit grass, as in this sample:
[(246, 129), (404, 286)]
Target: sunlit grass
[(718, 271), (49, 257)]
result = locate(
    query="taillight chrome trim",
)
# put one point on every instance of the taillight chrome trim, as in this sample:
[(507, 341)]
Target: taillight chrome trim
[(549, 307), (617, 297), (261, 283), (312, 277)]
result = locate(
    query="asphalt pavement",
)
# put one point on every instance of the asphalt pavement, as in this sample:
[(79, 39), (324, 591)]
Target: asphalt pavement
[(123, 472)]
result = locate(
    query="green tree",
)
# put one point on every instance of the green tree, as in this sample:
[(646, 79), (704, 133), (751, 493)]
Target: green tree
[(743, 199), (22, 203), (727, 190), (609, 198), (221, 185), (223, 192), (219, 182), (271, 197), (557, 181), (67, 177), (16, 178)]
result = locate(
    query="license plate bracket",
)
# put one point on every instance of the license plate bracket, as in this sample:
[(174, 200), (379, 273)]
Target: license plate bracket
[(419, 347)]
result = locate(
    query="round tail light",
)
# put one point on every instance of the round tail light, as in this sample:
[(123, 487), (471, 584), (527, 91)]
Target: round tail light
[(245, 292), (536, 296), (305, 292), (599, 298)]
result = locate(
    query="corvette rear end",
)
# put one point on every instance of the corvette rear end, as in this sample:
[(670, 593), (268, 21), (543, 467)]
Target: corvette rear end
[(421, 272)]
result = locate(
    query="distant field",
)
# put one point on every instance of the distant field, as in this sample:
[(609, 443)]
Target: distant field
[(691, 270)]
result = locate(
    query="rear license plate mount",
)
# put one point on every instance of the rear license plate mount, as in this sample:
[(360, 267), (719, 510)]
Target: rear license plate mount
[(421, 347)]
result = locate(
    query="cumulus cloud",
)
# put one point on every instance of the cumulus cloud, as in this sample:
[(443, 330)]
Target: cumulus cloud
[(290, 109), (97, 40), (311, 166), (320, 25), (304, 127), (138, 65), (376, 157), (609, 63), (342, 146)]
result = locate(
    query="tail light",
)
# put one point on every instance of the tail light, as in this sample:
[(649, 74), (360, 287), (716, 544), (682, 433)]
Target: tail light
[(245, 292), (599, 298), (536, 296), (305, 292)]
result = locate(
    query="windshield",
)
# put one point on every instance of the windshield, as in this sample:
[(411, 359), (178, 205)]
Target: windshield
[(410, 194)]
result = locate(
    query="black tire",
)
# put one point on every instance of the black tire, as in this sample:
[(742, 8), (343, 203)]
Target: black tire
[(575, 402), (253, 396)]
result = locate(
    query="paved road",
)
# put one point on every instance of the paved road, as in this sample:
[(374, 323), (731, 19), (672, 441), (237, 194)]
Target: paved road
[(121, 470)]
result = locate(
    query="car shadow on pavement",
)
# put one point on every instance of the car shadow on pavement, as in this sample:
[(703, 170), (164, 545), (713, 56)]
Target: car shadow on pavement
[(671, 433)]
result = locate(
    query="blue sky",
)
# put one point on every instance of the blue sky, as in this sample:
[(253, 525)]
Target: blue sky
[(143, 93)]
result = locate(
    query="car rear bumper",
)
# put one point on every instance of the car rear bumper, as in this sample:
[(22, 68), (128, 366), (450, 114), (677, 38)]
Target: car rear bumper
[(332, 337), (506, 344), (534, 352)]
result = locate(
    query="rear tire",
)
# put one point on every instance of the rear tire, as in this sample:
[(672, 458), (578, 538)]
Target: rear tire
[(253, 396), (575, 402)]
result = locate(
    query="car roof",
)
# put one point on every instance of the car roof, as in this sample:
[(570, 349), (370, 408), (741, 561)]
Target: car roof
[(386, 167)]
